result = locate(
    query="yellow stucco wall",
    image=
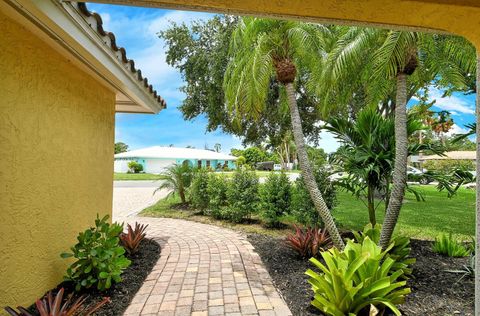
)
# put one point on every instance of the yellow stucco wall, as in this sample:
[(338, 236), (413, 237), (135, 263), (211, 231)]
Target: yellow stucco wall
[(56, 145)]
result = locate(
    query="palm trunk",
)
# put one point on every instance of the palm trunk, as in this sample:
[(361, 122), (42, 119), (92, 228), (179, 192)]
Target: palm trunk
[(307, 173), (477, 244), (400, 165), (371, 205)]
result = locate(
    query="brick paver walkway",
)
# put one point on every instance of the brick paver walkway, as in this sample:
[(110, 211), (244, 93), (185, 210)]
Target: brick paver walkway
[(204, 270)]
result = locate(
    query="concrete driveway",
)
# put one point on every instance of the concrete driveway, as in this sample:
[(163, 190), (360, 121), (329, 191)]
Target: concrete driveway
[(130, 197)]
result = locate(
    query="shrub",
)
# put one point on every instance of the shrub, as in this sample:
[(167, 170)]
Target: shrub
[(275, 199), (49, 306), (133, 237), (302, 207), (449, 246), (217, 193), (135, 167), (198, 190), (242, 196), (100, 258), (399, 252), (309, 241), (357, 280)]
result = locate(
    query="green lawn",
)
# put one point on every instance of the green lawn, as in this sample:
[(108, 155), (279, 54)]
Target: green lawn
[(420, 220), (134, 176), (261, 174)]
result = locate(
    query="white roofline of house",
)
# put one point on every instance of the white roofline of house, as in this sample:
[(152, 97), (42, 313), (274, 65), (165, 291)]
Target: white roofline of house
[(159, 152), (70, 31)]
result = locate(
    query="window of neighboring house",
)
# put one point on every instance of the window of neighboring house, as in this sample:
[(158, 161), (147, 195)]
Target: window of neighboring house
[(199, 164), (208, 163)]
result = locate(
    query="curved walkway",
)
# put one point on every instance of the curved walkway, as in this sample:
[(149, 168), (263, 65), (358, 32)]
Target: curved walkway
[(204, 270)]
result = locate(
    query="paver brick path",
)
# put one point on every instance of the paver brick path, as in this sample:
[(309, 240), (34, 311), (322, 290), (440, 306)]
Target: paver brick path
[(204, 270)]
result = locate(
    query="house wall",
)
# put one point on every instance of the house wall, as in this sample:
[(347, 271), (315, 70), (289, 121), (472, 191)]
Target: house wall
[(56, 140)]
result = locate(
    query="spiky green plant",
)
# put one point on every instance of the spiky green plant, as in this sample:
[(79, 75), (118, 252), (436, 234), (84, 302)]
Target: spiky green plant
[(449, 246), (357, 279)]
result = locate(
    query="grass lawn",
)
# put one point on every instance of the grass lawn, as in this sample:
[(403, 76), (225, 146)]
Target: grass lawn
[(134, 176), (420, 220), (261, 174)]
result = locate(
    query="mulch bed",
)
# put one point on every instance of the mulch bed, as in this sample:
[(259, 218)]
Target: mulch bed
[(121, 294), (434, 291)]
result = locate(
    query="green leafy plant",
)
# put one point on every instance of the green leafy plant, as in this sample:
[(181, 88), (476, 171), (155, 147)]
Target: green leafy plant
[(135, 167), (356, 280), (447, 245), (100, 259), (399, 252), (275, 199), (217, 193), (50, 306), (198, 190), (308, 241), (177, 179), (302, 207), (133, 237), (242, 196)]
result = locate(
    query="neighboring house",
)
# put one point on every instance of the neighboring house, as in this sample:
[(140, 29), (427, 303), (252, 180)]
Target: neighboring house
[(63, 78), (452, 155), (155, 159)]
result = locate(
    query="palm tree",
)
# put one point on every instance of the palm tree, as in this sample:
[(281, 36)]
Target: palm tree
[(381, 62), (176, 179), (265, 49), (217, 147)]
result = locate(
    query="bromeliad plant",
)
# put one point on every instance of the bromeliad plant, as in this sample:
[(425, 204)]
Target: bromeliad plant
[(400, 252), (357, 279), (50, 306), (309, 241), (100, 259), (449, 246), (133, 237)]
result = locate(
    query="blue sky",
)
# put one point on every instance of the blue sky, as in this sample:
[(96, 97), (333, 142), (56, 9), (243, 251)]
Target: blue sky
[(136, 29)]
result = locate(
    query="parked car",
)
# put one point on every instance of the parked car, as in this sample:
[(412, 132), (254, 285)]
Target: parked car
[(277, 167), (265, 165), (417, 175)]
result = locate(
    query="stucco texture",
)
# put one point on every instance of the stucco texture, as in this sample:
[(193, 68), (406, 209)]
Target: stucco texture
[(56, 141)]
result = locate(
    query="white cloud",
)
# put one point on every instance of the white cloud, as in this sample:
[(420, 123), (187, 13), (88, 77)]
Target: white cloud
[(328, 142), (451, 103), (455, 130)]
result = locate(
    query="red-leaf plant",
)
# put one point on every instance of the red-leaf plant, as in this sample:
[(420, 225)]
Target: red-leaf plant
[(308, 241), (48, 306), (133, 237)]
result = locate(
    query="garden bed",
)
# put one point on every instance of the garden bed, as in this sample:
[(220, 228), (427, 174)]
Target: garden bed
[(434, 291), (121, 294)]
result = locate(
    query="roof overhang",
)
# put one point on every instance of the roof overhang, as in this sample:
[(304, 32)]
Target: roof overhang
[(73, 33)]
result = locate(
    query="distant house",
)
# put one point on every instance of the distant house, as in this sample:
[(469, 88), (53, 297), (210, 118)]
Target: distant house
[(453, 155), (155, 159)]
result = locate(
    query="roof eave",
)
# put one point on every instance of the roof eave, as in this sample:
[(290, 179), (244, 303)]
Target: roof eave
[(65, 26)]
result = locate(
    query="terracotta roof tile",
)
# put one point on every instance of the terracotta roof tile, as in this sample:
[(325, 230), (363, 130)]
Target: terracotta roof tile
[(120, 52)]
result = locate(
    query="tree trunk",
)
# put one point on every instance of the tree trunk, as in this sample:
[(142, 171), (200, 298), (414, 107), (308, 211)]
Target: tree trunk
[(371, 205), (477, 244), (400, 164), (307, 172)]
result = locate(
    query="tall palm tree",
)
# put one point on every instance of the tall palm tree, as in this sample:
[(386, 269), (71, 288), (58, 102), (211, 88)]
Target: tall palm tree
[(177, 179), (391, 66), (265, 49)]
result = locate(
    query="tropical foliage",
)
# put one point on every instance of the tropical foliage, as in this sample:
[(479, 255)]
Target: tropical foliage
[(177, 179), (357, 279), (133, 237), (100, 258), (275, 199), (449, 246), (242, 196), (308, 241)]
